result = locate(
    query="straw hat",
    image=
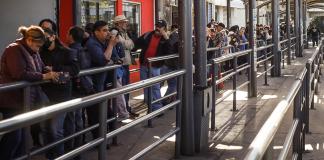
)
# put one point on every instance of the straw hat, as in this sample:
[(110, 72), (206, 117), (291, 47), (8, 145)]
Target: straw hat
[(120, 18)]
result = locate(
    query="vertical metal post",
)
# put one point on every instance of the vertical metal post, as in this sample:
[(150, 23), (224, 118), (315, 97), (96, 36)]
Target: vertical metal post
[(253, 56), (103, 130), (149, 96), (234, 83), (307, 94), (26, 130), (276, 71), (288, 16), (201, 122), (297, 28), (214, 88), (114, 108), (305, 23), (228, 9), (185, 57), (301, 26), (265, 69), (296, 139), (258, 16), (178, 117)]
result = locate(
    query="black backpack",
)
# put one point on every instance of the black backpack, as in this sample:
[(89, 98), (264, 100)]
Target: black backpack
[(84, 84)]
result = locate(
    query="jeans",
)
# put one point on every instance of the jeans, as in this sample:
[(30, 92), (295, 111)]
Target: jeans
[(53, 131), (125, 81), (73, 123), (156, 92), (120, 102), (172, 83), (12, 144)]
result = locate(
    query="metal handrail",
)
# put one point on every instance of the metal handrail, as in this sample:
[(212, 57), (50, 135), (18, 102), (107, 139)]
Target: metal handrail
[(78, 103), (265, 47), (231, 56), (302, 94), (161, 58), (266, 134), (23, 84)]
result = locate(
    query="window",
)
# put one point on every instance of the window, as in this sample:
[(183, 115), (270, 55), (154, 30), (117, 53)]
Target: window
[(94, 10), (132, 12)]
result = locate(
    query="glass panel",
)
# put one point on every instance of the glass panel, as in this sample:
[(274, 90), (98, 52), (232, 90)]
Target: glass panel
[(93, 10), (132, 13)]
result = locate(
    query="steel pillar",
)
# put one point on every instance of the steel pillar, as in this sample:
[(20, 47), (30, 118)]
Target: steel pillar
[(276, 71), (253, 55), (288, 30), (228, 9), (200, 77), (297, 29), (185, 57)]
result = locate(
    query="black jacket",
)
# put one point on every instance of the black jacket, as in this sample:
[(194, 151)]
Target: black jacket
[(61, 59), (143, 42)]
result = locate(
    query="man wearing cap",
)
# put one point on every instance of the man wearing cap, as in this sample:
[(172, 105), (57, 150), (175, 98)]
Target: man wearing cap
[(153, 44), (121, 23)]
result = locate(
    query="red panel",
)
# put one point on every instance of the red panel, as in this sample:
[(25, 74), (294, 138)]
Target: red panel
[(147, 17), (65, 17), (119, 7)]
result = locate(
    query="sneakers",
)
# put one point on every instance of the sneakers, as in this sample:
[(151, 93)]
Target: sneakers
[(122, 117)]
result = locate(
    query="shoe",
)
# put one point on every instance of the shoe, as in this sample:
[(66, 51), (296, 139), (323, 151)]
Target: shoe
[(133, 115), (122, 117), (160, 115)]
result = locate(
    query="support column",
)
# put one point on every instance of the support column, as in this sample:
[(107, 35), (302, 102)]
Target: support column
[(200, 78), (253, 55), (276, 61), (228, 13), (288, 30), (258, 16), (185, 57), (305, 23), (297, 29)]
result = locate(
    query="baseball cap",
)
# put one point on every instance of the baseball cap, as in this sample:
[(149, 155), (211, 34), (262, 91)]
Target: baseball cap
[(161, 23)]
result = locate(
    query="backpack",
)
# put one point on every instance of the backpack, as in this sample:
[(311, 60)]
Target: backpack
[(84, 84)]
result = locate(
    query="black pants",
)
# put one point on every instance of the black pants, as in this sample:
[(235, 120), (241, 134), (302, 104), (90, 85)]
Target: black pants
[(315, 41)]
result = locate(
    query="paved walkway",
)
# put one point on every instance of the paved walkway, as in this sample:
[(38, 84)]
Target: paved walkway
[(236, 130)]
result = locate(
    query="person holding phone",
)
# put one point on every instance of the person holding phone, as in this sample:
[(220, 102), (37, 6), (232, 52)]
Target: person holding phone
[(64, 61), (153, 44)]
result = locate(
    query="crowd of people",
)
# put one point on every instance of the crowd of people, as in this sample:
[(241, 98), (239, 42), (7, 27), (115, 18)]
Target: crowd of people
[(40, 55)]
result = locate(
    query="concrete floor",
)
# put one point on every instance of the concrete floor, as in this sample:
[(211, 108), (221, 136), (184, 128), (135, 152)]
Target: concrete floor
[(236, 130)]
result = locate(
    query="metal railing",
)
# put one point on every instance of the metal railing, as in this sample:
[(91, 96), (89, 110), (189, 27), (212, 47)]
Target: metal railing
[(150, 100), (301, 95), (26, 119)]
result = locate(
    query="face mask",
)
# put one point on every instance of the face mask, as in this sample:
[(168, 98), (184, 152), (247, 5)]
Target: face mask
[(47, 43)]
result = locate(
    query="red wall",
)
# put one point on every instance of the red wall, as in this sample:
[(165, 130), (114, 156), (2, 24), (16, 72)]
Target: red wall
[(147, 9), (65, 17)]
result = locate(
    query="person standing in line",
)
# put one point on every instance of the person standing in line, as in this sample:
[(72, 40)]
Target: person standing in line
[(153, 44), (21, 62), (62, 60), (121, 23)]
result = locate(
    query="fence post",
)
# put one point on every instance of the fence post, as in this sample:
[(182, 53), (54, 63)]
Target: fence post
[(296, 115), (114, 108), (103, 129), (234, 83), (265, 69), (214, 87), (307, 100), (178, 117), (149, 96), (26, 130)]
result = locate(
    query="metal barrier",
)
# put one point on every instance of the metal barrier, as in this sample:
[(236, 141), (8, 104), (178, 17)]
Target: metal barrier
[(45, 113), (301, 95), (215, 81), (150, 100)]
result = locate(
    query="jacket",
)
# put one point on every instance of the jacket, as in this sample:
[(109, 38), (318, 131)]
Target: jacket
[(61, 59), (164, 48), (20, 63)]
